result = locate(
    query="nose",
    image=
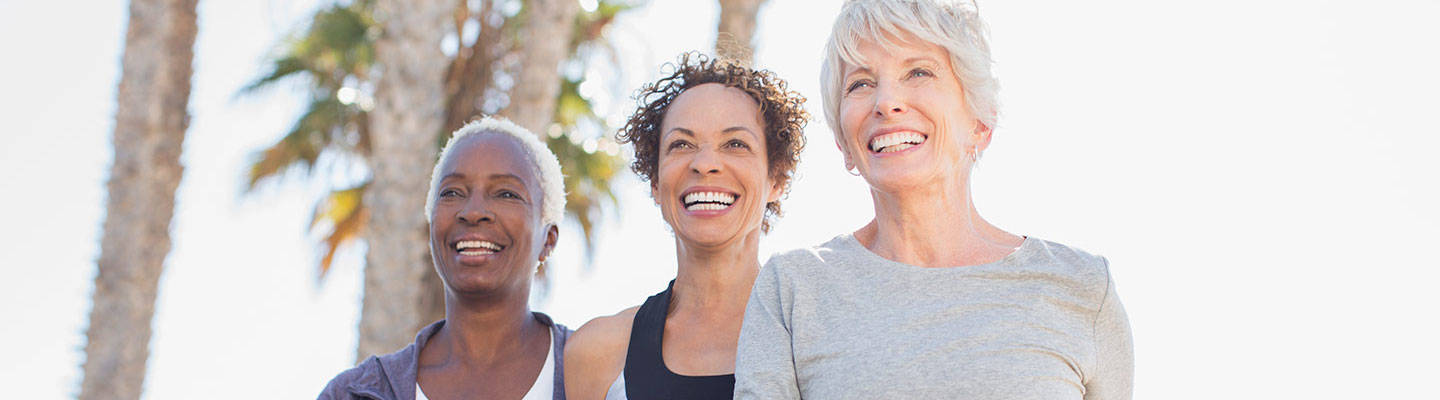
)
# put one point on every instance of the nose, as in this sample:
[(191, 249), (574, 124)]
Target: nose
[(475, 211), (705, 162), (889, 100)]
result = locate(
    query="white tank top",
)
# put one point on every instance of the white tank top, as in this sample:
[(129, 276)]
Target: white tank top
[(617, 389)]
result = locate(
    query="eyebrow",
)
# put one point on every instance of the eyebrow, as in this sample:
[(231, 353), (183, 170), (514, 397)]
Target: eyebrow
[(858, 69), (914, 60), (738, 128), (732, 130), (505, 176)]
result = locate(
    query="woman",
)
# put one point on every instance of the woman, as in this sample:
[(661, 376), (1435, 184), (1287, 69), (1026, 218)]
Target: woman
[(928, 300), (718, 144), (495, 197)]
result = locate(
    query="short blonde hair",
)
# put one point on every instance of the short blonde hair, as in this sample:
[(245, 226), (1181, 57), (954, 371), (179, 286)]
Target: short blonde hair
[(547, 167), (954, 25)]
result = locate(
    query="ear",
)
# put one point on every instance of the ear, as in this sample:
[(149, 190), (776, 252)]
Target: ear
[(653, 190), (552, 235), (982, 135), (845, 155), (776, 190)]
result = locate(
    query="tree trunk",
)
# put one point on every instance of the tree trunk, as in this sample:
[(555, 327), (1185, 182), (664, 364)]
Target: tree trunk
[(150, 122), (736, 34), (545, 42), (408, 114)]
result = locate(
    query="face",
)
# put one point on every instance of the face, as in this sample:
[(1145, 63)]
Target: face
[(712, 182), (904, 119), (486, 234)]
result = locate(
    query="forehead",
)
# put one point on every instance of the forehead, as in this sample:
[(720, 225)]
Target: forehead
[(889, 49), (486, 154), (711, 107)]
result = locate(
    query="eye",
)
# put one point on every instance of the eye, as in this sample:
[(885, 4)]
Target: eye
[(921, 73), (737, 144), (678, 144), (508, 194), (448, 193), (858, 84)]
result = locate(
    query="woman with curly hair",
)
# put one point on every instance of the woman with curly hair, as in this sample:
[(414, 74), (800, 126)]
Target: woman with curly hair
[(718, 143)]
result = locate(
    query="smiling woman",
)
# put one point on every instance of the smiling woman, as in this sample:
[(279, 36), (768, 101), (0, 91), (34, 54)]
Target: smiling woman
[(495, 199), (928, 300), (718, 143)]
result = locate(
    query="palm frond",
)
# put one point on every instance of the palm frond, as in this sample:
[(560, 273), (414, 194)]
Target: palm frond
[(316, 131), (345, 215)]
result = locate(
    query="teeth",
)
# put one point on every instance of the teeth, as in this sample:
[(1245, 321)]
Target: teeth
[(478, 246), (724, 199), (706, 206), (892, 142)]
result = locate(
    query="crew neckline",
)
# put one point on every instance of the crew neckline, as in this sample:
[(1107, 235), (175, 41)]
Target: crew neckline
[(848, 240)]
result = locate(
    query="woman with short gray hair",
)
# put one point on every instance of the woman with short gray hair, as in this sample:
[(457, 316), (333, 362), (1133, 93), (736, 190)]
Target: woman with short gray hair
[(495, 202), (928, 300)]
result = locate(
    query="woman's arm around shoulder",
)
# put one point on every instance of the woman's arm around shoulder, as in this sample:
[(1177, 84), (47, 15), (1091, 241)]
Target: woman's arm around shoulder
[(595, 355)]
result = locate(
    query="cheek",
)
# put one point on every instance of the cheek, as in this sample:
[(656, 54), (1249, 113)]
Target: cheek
[(852, 120)]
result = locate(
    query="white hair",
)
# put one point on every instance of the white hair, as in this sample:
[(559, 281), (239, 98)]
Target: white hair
[(547, 167), (954, 25)]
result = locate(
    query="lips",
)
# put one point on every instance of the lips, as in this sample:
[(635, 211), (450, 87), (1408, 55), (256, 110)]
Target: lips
[(707, 199)]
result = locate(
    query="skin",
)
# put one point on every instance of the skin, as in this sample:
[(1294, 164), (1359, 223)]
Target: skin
[(491, 346), (712, 137), (924, 214)]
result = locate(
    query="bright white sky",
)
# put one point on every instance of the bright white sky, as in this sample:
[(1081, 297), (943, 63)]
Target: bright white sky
[(1258, 172)]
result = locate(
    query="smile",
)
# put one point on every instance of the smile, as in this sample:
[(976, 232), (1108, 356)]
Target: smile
[(897, 141), (707, 201), (477, 247)]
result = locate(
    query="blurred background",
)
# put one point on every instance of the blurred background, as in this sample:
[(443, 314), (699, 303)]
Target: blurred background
[(1259, 173)]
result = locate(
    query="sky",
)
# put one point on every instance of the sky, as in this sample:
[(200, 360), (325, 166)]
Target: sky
[(1258, 173)]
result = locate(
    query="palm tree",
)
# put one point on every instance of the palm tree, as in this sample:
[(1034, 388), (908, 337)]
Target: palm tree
[(547, 29), (736, 34), (409, 107), (150, 122), (337, 55)]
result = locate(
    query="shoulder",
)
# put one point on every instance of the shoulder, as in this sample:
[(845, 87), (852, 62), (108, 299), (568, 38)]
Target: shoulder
[(602, 333), (367, 374), (1072, 258), (562, 332), (807, 258), (595, 353), (1086, 272)]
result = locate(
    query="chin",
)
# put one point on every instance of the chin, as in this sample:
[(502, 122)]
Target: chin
[(898, 180)]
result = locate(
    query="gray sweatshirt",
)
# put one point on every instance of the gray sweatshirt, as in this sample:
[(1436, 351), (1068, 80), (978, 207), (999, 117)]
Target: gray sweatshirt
[(840, 322)]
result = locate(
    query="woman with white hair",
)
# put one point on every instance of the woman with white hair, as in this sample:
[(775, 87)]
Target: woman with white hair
[(927, 300), (496, 197)]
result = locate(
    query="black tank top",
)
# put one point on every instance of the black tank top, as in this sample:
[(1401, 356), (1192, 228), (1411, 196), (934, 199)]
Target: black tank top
[(646, 376)]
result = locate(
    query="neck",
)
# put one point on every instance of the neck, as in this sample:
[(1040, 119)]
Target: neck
[(716, 279), (485, 331), (933, 226)]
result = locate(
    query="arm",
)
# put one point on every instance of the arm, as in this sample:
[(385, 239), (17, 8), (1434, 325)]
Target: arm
[(764, 362), (1114, 373), (595, 355)]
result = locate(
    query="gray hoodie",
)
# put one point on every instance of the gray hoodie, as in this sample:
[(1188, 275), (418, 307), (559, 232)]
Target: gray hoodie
[(392, 376)]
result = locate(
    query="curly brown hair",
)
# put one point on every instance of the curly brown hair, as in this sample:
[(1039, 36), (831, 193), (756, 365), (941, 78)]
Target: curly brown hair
[(781, 110)]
